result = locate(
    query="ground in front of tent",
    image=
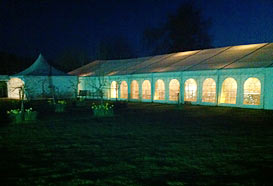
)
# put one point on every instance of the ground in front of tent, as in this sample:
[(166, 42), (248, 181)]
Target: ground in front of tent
[(143, 144)]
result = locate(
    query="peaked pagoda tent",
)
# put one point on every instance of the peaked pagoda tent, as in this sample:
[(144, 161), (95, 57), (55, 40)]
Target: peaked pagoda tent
[(237, 76), (41, 80)]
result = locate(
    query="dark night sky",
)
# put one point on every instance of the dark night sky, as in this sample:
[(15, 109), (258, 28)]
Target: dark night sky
[(29, 27)]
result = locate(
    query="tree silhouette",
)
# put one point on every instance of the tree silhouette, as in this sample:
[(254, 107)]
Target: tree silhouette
[(186, 30)]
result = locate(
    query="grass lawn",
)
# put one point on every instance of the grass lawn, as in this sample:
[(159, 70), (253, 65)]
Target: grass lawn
[(144, 144)]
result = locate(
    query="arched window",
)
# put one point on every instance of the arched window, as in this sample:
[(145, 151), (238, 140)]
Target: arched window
[(134, 90), (14, 88), (252, 91), (159, 90), (209, 91), (146, 89), (229, 91), (174, 88), (123, 90), (114, 89), (190, 92)]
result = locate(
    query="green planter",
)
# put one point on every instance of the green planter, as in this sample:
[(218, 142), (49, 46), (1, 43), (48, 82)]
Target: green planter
[(16, 118), (31, 116), (103, 110), (103, 113), (60, 107)]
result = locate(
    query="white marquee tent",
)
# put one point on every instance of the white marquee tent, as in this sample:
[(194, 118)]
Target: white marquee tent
[(237, 76), (41, 80)]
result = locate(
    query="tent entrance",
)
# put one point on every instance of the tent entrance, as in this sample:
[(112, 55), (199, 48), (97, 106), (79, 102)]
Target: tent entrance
[(3, 89)]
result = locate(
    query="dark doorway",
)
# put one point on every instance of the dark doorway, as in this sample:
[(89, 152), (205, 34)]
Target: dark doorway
[(3, 89)]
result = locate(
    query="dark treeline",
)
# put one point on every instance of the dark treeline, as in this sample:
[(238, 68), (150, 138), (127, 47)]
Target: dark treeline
[(12, 63), (184, 30)]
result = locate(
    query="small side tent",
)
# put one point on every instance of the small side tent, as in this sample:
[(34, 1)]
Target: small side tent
[(41, 81)]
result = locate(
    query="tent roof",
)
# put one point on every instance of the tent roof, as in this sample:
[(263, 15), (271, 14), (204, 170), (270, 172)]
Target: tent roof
[(232, 57), (41, 68)]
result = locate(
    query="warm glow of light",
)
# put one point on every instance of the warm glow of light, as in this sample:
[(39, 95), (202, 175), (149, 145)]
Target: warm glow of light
[(112, 73), (159, 90), (87, 74), (229, 91), (146, 89), (246, 47), (252, 91), (159, 69), (123, 90), (134, 90), (14, 85), (174, 89), (114, 89), (184, 53), (190, 92), (209, 91)]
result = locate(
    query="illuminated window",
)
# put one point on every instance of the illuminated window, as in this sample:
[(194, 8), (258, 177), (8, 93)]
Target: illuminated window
[(114, 89), (134, 90), (123, 90), (146, 89), (209, 91), (190, 93), (174, 88), (159, 90), (252, 91), (229, 91), (14, 85)]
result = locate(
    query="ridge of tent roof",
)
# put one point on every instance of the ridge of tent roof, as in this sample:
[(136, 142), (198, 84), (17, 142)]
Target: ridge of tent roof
[(41, 68)]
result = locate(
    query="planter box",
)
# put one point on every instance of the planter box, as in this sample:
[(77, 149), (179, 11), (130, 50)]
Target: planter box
[(31, 116), (103, 113), (60, 107), (16, 118)]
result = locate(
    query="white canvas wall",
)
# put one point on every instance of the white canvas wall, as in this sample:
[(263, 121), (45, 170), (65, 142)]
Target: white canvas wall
[(38, 87), (268, 89), (66, 86), (265, 75)]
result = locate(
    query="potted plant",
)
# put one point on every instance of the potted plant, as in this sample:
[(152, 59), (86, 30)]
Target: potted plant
[(60, 106), (30, 115), (15, 115), (103, 110)]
